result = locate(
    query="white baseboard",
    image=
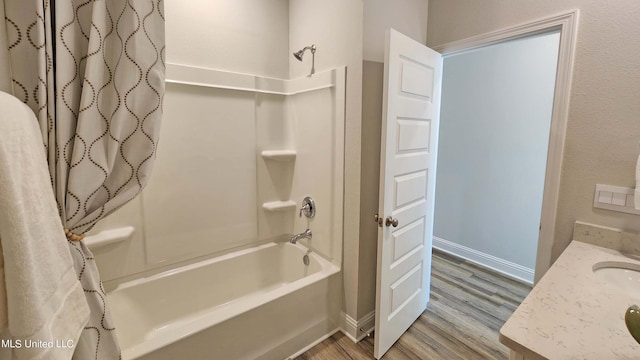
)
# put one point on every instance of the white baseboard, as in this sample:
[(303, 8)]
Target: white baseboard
[(357, 330), (505, 267)]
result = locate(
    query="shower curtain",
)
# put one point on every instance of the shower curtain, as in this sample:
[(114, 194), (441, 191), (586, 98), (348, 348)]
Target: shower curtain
[(93, 73)]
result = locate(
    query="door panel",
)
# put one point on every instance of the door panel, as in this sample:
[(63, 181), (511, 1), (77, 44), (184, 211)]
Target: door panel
[(407, 239), (413, 135), (410, 188), (416, 78), (407, 168)]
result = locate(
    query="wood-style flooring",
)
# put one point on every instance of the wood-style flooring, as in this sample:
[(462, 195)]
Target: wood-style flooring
[(468, 305)]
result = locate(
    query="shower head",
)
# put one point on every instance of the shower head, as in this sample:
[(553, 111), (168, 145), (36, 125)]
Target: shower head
[(298, 55)]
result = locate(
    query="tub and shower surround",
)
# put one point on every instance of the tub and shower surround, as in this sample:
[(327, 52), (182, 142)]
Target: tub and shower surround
[(245, 150)]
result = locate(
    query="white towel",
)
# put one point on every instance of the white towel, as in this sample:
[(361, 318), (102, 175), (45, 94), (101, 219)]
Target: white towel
[(45, 303), (636, 197)]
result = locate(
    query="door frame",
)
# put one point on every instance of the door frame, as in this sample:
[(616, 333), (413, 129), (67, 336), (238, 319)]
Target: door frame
[(567, 24)]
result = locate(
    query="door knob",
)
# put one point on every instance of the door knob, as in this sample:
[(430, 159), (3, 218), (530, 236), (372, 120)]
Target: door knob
[(391, 221), (377, 219)]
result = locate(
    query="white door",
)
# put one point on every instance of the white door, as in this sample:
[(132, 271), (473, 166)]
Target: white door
[(411, 110)]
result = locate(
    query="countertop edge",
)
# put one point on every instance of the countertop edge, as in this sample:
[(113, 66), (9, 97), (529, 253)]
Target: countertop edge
[(517, 347)]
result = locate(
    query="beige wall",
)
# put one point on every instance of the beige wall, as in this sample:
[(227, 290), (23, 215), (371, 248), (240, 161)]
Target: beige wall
[(245, 36), (372, 80), (407, 16), (603, 131)]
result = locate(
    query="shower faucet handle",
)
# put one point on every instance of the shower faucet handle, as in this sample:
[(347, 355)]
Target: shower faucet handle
[(308, 207), (304, 208)]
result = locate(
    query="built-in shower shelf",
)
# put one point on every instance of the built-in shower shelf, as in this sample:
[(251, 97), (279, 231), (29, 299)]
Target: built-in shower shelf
[(279, 155), (279, 205), (109, 237)]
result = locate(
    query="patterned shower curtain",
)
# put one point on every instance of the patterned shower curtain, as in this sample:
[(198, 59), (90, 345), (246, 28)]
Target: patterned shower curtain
[(93, 72)]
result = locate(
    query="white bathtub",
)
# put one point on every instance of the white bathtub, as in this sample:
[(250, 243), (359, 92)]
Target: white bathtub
[(262, 302)]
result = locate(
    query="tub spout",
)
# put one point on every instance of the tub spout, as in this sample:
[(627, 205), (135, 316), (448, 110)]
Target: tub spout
[(305, 235)]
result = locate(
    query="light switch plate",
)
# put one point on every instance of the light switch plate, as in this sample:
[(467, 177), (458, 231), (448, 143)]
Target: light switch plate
[(619, 199), (614, 198)]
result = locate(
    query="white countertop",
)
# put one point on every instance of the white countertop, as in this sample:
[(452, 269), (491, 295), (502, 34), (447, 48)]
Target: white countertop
[(572, 314)]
